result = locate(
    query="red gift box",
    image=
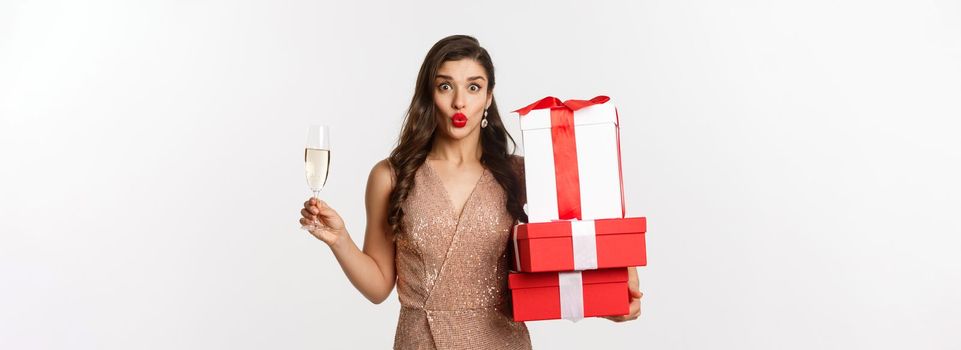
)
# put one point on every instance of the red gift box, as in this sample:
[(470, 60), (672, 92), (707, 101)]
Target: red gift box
[(569, 295), (580, 244)]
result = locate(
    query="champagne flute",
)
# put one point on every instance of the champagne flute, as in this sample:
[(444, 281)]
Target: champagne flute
[(317, 160)]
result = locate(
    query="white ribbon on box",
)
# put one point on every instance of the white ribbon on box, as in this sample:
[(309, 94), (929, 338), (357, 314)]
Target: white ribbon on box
[(584, 240), (572, 295)]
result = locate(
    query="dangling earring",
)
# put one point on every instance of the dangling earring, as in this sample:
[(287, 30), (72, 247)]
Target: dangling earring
[(484, 121)]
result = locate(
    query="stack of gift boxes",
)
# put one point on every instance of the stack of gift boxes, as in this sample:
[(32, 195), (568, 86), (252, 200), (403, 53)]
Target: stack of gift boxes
[(572, 255)]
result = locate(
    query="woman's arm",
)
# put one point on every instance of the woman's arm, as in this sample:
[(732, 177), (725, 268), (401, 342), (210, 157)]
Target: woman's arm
[(371, 271)]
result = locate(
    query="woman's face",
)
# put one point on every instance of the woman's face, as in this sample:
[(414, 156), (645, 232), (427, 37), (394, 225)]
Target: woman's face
[(460, 96)]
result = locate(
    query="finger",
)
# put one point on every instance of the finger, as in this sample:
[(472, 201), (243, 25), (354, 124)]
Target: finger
[(307, 204), (636, 294), (304, 222), (306, 214), (615, 318), (635, 313)]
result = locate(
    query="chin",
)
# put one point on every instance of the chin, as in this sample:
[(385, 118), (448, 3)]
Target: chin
[(459, 133)]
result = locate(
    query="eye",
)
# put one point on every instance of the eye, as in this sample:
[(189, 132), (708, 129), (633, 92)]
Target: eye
[(474, 87), (444, 87)]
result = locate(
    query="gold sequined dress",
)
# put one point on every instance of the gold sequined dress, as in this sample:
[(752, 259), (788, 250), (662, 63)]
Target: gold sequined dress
[(452, 271)]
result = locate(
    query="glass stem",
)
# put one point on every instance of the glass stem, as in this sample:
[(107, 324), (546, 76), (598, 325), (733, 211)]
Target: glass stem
[(316, 223)]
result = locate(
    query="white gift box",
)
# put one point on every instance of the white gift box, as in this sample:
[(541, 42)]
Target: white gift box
[(572, 160)]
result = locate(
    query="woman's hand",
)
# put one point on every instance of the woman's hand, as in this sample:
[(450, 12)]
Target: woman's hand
[(635, 295), (323, 222)]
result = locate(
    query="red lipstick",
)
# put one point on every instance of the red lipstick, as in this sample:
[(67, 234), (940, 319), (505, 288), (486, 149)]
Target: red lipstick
[(459, 120)]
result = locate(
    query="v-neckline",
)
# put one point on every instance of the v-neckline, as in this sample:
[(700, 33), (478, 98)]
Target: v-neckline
[(450, 202)]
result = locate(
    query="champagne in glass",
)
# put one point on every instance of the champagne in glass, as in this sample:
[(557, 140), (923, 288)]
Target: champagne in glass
[(317, 159), (318, 166)]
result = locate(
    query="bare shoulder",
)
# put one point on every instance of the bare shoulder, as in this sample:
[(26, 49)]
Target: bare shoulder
[(381, 178)]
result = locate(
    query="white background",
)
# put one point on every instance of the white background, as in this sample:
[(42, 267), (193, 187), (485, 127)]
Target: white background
[(798, 162)]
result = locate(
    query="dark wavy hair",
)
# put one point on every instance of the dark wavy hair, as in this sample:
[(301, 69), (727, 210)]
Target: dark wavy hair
[(420, 128)]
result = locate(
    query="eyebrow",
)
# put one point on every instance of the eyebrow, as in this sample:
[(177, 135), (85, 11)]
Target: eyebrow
[(441, 76)]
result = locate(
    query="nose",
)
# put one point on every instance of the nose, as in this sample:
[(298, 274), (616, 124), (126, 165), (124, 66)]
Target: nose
[(459, 102)]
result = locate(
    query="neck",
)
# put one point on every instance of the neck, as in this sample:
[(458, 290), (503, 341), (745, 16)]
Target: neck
[(458, 152)]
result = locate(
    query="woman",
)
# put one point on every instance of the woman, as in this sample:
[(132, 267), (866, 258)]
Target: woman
[(440, 210)]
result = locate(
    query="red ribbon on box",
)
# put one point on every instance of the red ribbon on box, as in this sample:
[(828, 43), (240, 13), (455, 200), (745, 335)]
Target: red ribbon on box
[(565, 151)]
